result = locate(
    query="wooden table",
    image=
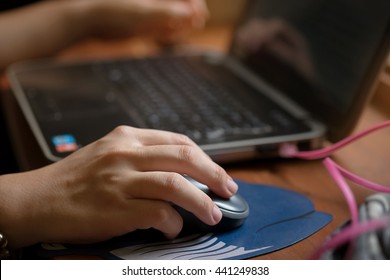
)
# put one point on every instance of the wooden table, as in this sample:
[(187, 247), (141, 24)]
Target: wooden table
[(369, 158)]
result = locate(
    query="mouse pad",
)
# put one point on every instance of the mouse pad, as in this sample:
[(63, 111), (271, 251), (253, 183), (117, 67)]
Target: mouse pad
[(278, 218)]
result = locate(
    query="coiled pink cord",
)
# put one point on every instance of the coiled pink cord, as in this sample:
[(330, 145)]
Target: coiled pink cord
[(338, 174)]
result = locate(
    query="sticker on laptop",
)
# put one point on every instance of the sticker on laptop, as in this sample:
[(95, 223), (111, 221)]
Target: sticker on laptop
[(65, 143)]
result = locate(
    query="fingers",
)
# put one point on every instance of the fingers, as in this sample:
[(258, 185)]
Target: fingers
[(175, 9), (151, 164), (201, 12), (146, 213), (179, 16), (195, 9), (172, 187), (149, 137), (172, 152), (185, 159)]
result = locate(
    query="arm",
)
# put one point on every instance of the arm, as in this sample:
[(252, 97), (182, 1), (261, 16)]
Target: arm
[(39, 30), (48, 26)]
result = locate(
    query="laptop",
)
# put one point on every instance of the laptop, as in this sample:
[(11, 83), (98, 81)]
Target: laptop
[(297, 72)]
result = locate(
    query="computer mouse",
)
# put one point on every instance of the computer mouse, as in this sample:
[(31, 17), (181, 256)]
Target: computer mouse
[(234, 210)]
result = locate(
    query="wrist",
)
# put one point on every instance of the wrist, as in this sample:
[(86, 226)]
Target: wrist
[(17, 222)]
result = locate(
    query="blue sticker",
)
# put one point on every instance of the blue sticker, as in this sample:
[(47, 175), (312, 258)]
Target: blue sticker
[(65, 143)]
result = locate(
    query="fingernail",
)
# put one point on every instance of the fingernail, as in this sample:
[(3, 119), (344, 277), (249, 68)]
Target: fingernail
[(232, 186), (217, 214)]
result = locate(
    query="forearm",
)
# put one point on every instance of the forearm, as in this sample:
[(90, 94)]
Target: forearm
[(46, 27), (17, 211), (40, 30), (29, 202)]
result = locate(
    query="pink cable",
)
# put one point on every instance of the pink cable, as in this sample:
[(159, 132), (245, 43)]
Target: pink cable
[(289, 150), (337, 173), (345, 189), (361, 181), (349, 233)]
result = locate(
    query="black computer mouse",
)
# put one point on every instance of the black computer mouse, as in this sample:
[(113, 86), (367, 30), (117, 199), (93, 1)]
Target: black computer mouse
[(234, 210)]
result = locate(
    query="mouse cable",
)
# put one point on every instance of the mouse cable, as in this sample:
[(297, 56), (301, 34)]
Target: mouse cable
[(339, 174)]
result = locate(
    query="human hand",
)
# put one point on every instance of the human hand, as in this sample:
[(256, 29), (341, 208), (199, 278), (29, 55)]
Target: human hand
[(166, 20), (125, 181), (58, 24)]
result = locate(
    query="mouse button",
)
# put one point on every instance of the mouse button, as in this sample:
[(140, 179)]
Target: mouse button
[(234, 204)]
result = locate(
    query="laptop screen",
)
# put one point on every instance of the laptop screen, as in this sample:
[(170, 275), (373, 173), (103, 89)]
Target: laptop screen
[(324, 54)]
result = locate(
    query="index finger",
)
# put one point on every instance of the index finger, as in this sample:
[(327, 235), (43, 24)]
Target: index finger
[(188, 160), (151, 137)]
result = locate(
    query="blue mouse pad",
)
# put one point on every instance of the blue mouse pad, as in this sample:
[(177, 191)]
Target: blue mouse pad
[(278, 218)]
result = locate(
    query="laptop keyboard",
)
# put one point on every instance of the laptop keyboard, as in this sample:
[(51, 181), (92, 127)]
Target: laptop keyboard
[(185, 96)]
